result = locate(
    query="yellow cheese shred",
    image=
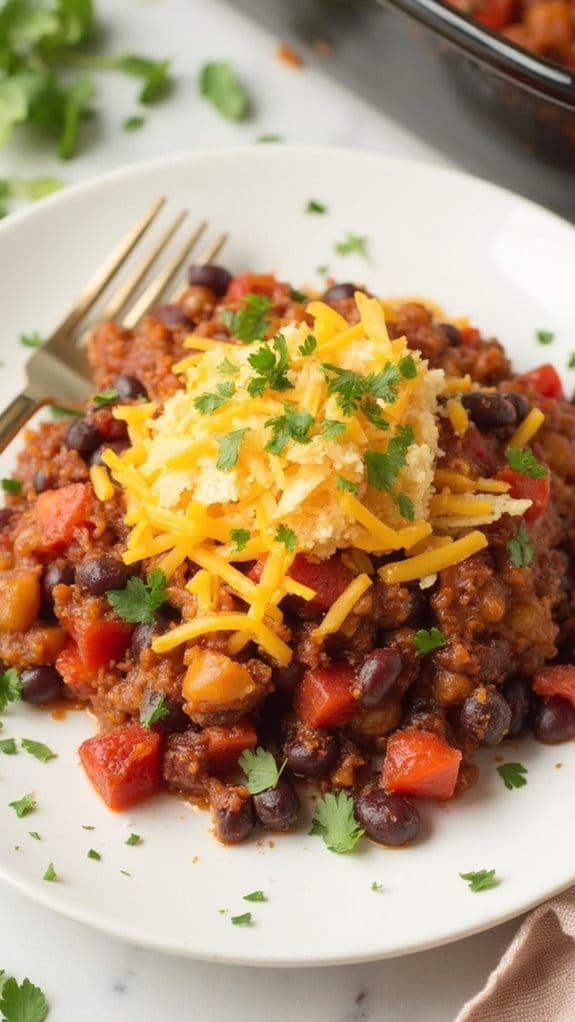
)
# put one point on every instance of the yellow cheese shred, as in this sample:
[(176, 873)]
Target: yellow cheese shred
[(527, 429), (433, 561), (276, 647), (101, 483), (343, 606)]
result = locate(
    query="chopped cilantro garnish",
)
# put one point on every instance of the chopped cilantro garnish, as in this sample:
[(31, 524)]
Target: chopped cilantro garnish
[(33, 340), (243, 920), (520, 548), (522, 460), (426, 640), (308, 346), (335, 822), (332, 428), (345, 484), (294, 425), (10, 687), (571, 360), (261, 770), (34, 834), (21, 1002), (23, 806), (383, 467), (298, 296), (480, 880), (314, 206), (372, 412), (229, 448), (228, 368), (210, 401), (133, 123), (407, 367), (139, 601), (545, 336), (240, 538), (154, 710), (512, 775), (287, 537), (38, 749), (322, 270), (272, 371), (385, 383), (219, 84), (11, 485), (376, 886), (269, 138), (8, 746), (255, 896), (93, 854), (251, 322), (50, 874), (105, 396), (125, 873), (59, 412), (33, 188), (87, 826), (351, 387), (134, 839), (405, 505), (352, 243)]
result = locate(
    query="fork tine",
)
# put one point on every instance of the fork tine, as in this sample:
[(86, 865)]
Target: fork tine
[(107, 271), (119, 300), (206, 257), (161, 282)]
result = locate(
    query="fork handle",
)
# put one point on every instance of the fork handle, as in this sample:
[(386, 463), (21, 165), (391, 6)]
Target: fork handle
[(15, 416)]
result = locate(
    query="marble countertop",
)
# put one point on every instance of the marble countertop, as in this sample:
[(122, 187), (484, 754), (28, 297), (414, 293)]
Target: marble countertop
[(87, 975)]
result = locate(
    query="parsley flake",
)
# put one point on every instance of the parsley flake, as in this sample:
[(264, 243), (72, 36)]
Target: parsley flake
[(405, 505), (294, 425), (524, 461), (209, 402), (105, 396), (345, 485), (314, 206), (332, 428), (251, 322), (480, 880), (139, 601), (229, 448), (50, 874), (228, 368), (219, 84), (133, 123), (520, 548), (38, 749), (425, 641), (10, 687), (287, 537), (33, 340), (372, 412), (255, 896), (571, 360), (350, 387), (11, 485), (261, 770), (376, 886), (272, 371), (298, 296), (335, 822), (134, 839), (21, 1002), (407, 367), (34, 834), (154, 710), (383, 467), (23, 806), (93, 854), (8, 746), (243, 920), (512, 775), (87, 826), (352, 243), (545, 336), (308, 346), (269, 138), (240, 538)]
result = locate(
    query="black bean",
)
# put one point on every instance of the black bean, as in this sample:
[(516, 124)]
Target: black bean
[(312, 754), (55, 574), (130, 387), (5, 516), (39, 684), (144, 633), (389, 819), (517, 696), (42, 480), (486, 716), (216, 278), (285, 679), (234, 820), (278, 808), (83, 436), (98, 575), (566, 652), (117, 446), (489, 410), (172, 315), (337, 292), (553, 720), (376, 677), (519, 402), (451, 332)]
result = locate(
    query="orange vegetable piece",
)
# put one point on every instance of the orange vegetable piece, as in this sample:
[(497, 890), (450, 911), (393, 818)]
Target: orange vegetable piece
[(324, 697), (556, 680), (226, 744), (213, 679), (19, 600), (100, 641), (421, 764), (59, 512), (123, 765)]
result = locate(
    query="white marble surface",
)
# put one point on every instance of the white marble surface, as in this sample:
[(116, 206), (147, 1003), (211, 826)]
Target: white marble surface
[(87, 975)]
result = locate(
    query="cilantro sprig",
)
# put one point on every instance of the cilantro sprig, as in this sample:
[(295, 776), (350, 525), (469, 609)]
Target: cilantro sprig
[(352, 244), (308, 346), (334, 820), (522, 460), (271, 363), (139, 601), (350, 387), (240, 538), (229, 448), (210, 401), (23, 806), (292, 425), (426, 640), (286, 536), (38, 750), (251, 322), (545, 336), (21, 1002), (154, 710), (10, 687), (512, 775), (261, 770), (520, 548), (480, 879), (219, 84), (383, 467)]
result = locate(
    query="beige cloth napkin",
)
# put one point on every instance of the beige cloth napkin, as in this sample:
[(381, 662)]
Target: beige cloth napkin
[(535, 979)]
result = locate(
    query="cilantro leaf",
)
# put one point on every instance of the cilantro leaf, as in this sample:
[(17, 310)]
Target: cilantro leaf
[(8, 746), (347, 385), (209, 401), (522, 460), (345, 485), (33, 188), (383, 467), (139, 601), (270, 138), (261, 770), (11, 485), (22, 1002), (272, 371), (105, 396), (33, 340), (10, 687), (352, 243), (545, 336), (255, 896), (571, 360), (512, 775), (34, 834), (376, 886), (243, 920), (298, 296), (133, 123), (407, 367), (228, 368), (294, 425), (240, 538), (385, 383), (251, 322), (23, 806), (335, 822), (155, 75), (314, 206), (38, 749), (480, 880), (50, 874), (287, 537), (308, 346), (134, 839), (372, 412), (93, 854), (332, 428), (425, 641), (405, 505), (229, 448), (520, 548), (154, 710), (219, 85)]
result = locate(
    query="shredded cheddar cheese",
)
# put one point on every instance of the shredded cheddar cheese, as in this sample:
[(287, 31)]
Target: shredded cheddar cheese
[(433, 560), (527, 429)]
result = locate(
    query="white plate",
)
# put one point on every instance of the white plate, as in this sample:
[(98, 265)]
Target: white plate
[(477, 250)]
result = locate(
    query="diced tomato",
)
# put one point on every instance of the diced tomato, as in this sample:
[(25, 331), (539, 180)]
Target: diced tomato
[(252, 284), (556, 680), (123, 765), (524, 487), (545, 380), (324, 697), (100, 641), (327, 578), (495, 14), (469, 334), (59, 512), (479, 451), (226, 744), (69, 664), (421, 764)]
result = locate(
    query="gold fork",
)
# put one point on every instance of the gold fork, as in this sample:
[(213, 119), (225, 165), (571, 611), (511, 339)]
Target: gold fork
[(58, 372)]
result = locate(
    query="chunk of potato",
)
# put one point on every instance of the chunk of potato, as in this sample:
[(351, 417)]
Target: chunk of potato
[(19, 599), (213, 679)]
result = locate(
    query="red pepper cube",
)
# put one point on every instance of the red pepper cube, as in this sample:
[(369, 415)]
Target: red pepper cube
[(123, 765), (556, 680), (545, 380), (328, 579), (100, 641), (324, 697), (419, 763), (59, 512), (250, 284), (524, 487), (226, 744)]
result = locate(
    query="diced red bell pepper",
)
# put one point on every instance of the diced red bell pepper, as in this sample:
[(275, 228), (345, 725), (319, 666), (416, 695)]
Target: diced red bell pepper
[(469, 334), (324, 697), (250, 284), (421, 764), (556, 680), (495, 14), (524, 487), (226, 744), (99, 641), (69, 664), (545, 380), (59, 512), (123, 765), (329, 579)]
